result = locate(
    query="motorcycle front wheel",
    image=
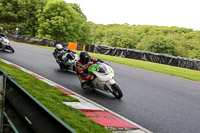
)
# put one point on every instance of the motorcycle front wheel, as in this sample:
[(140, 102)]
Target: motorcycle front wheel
[(11, 49), (116, 91), (1, 47), (62, 66)]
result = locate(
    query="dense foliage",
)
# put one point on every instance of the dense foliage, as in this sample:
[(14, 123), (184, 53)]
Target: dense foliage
[(20, 14), (61, 21), (50, 19), (160, 39)]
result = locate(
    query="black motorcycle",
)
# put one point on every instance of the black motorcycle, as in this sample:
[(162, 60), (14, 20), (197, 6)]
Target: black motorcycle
[(68, 61)]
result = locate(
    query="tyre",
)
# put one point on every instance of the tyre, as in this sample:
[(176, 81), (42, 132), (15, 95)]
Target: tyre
[(116, 91), (74, 68), (11, 49), (1, 47), (62, 67)]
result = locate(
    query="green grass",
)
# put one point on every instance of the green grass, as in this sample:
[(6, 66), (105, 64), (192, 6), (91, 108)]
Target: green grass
[(156, 67), (53, 99)]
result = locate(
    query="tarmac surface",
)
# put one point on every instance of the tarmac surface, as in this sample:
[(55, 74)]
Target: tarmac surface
[(158, 102)]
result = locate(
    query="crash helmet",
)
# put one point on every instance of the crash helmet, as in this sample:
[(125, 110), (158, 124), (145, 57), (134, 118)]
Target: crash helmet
[(84, 57), (59, 47)]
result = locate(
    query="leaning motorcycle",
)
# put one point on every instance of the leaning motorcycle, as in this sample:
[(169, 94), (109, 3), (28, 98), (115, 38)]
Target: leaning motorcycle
[(68, 62), (5, 44), (103, 79)]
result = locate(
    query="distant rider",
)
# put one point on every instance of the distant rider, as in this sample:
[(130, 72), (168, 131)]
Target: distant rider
[(82, 66), (59, 51)]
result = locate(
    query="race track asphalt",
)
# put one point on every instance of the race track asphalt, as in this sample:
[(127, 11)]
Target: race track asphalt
[(158, 102)]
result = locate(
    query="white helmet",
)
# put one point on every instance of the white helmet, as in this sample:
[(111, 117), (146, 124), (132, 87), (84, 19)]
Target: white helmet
[(59, 47)]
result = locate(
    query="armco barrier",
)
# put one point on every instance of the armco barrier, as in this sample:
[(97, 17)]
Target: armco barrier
[(145, 56), (113, 51), (89, 48), (2, 99), (32, 40), (74, 46), (43, 42), (26, 114)]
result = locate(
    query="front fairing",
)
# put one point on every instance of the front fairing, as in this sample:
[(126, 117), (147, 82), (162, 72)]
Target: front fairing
[(102, 71), (76, 57), (68, 61), (110, 71), (5, 42)]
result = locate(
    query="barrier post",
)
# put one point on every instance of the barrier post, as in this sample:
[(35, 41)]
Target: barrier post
[(83, 47), (2, 99), (72, 46)]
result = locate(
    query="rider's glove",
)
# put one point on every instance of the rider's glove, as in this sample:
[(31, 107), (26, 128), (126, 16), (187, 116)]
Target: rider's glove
[(89, 77)]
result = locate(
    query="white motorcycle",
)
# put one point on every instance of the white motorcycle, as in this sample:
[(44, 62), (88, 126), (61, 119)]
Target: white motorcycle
[(69, 60), (103, 79), (5, 44)]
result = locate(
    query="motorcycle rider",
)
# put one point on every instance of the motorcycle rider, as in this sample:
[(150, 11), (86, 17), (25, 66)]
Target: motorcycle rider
[(1, 38), (82, 66), (59, 51)]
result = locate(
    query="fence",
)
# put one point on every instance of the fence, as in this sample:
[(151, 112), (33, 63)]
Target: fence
[(24, 113), (42, 42), (113, 51), (145, 56)]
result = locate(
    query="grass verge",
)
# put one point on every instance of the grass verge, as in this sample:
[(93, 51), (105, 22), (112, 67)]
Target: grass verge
[(156, 67), (52, 98)]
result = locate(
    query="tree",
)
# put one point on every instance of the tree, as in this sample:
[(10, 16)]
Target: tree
[(8, 15), (20, 14), (77, 8), (59, 21), (28, 15), (161, 39), (158, 44)]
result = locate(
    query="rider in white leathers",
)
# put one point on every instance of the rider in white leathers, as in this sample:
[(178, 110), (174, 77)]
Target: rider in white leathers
[(59, 51)]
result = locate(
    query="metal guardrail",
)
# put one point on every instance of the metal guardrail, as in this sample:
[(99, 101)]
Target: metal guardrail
[(2, 99), (145, 56), (114, 51), (24, 113)]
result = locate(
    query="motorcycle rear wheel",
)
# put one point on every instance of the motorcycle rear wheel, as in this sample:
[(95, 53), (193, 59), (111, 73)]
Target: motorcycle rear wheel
[(116, 91)]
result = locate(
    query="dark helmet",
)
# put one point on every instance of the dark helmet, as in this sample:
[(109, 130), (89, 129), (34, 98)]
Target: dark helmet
[(84, 57)]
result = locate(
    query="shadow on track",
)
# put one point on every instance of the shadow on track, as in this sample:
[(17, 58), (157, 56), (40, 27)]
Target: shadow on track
[(99, 94), (65, 71), (6, 52)]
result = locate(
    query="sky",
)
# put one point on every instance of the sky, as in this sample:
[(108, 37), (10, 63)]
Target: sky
[(180, 13)]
